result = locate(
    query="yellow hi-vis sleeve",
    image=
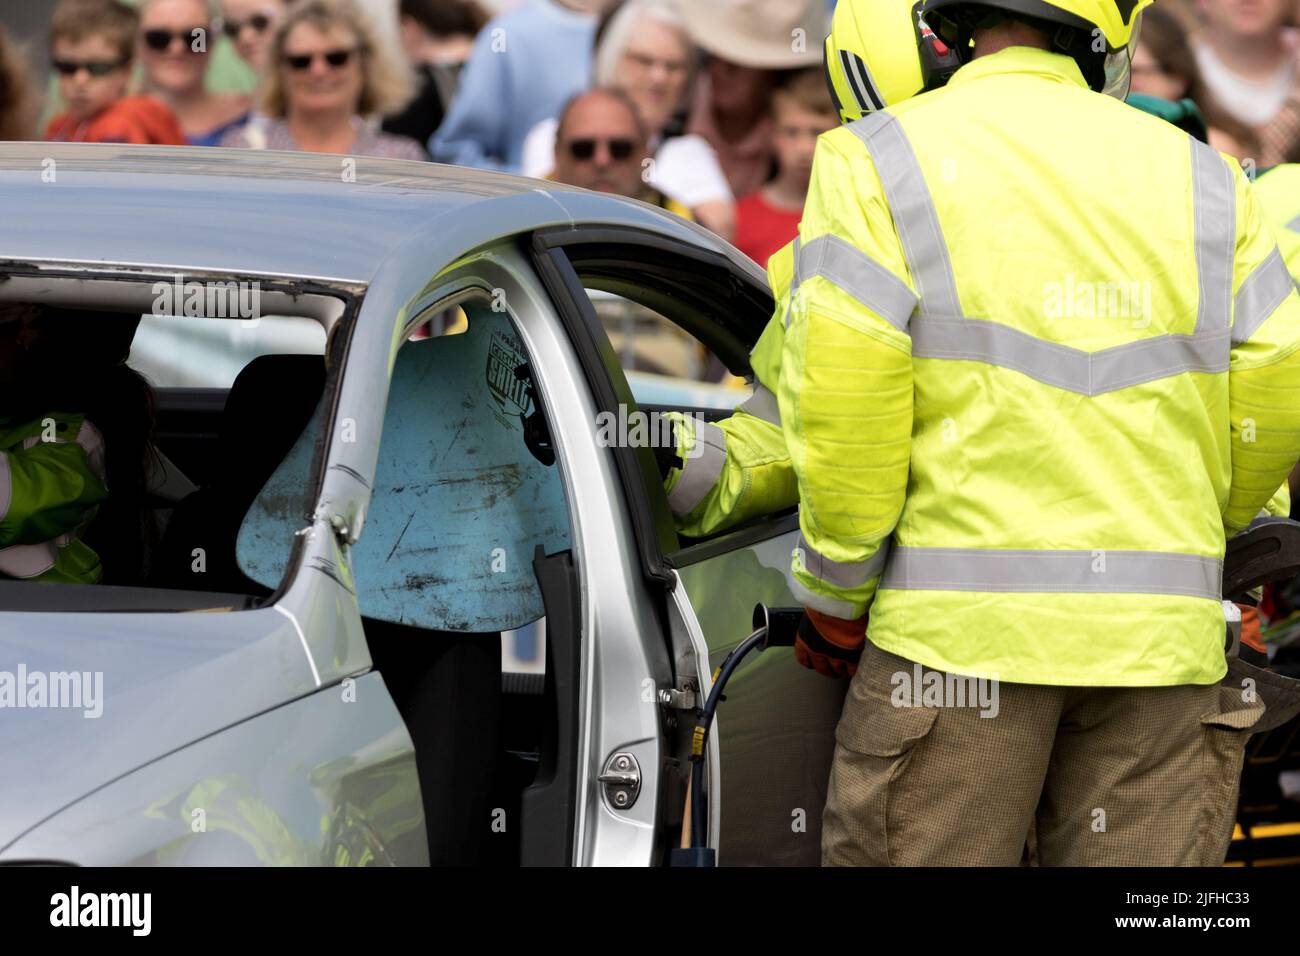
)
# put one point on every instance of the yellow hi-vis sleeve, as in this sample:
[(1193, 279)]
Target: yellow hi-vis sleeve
[(740, 468), (846, 383), (1264, 371), (754, 476)]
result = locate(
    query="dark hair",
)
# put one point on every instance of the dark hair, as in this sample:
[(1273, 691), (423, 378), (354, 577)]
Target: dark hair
[(1163, 35), (16, 104), (76, 20), (446, 18), (807, 89)]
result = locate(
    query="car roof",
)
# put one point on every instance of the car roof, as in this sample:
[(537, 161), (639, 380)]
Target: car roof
[(269, 212)]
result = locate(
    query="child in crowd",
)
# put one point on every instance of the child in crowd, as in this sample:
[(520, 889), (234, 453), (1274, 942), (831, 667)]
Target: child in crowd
[(768, 218), (91, 48)]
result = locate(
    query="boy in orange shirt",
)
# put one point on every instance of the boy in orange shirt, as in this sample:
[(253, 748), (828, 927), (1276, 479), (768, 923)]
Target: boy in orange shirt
[(91, 46)]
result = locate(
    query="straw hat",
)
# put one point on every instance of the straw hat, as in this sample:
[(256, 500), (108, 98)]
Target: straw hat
[(764, 34)]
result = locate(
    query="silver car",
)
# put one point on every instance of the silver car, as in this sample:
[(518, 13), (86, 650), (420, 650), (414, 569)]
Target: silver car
[(392, 429)]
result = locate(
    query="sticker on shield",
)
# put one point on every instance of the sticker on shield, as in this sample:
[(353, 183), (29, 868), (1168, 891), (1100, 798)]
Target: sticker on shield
[(508, 390)]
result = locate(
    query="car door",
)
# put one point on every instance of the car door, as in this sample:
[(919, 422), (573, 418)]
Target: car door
[(774, 736)]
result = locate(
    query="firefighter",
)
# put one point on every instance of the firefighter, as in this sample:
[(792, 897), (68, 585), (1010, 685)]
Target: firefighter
[(1036, 371)]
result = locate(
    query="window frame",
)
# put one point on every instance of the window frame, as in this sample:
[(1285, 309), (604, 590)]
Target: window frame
[(128, 289), (695, 271)]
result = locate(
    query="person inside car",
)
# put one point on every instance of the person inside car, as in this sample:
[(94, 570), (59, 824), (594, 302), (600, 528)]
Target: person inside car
[(75, 449)]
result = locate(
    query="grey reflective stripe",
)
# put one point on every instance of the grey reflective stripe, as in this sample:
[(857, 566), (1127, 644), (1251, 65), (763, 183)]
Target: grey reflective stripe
[(762, 404), (1100, 571), (1260, 295), (860, 78), (1086, 373), (1214, 205), (942, 331), (701, 472), (1294, 224), (860, 276), (820, 602), (6, 484), (841, 574), (794, 284), (914, 214), (859, 93)]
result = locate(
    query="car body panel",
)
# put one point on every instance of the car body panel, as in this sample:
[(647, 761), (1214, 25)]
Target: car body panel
[(166, 682), (623, 660), (328, 779), (305, 215)]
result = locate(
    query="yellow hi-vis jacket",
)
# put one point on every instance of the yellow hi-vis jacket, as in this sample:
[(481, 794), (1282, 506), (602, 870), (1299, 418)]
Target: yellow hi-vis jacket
[(741, 468), (52, 480), (1278, 190), (1043, 355)]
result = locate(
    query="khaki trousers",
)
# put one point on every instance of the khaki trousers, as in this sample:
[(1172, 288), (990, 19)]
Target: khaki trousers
[(1140, 776)]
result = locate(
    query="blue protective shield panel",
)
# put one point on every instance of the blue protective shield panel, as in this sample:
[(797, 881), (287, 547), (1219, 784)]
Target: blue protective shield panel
[(459, 501)]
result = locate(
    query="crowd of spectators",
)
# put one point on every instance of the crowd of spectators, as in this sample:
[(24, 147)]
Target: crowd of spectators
[(711, 110)]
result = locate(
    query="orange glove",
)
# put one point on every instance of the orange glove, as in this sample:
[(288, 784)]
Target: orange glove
[(1252, 649), (830, 645)]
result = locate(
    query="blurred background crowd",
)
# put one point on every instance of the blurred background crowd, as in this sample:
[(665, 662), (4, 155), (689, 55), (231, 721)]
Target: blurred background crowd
[(708, 108)]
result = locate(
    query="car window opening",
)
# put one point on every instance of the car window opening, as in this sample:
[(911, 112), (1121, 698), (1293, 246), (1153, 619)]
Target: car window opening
[(135, 425)]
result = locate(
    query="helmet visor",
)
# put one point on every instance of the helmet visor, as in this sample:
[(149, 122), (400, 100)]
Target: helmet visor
[(1119, 64)]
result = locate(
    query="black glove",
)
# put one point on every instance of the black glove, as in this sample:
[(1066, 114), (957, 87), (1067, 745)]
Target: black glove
[(666, 457)]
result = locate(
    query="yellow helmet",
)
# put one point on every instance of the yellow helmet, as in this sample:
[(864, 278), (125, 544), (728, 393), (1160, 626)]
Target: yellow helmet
[(1099, 34), (876, 56)]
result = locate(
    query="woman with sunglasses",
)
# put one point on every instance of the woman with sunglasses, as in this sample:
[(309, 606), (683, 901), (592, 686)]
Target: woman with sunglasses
[(326, 77), (175, 39), (248, 24)]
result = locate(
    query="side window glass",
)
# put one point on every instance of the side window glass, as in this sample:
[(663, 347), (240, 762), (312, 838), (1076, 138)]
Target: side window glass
[(665, 364)]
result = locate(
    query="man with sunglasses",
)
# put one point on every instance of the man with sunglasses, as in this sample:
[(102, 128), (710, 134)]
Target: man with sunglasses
[(91, 43), (600, 145), (248, 25)]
